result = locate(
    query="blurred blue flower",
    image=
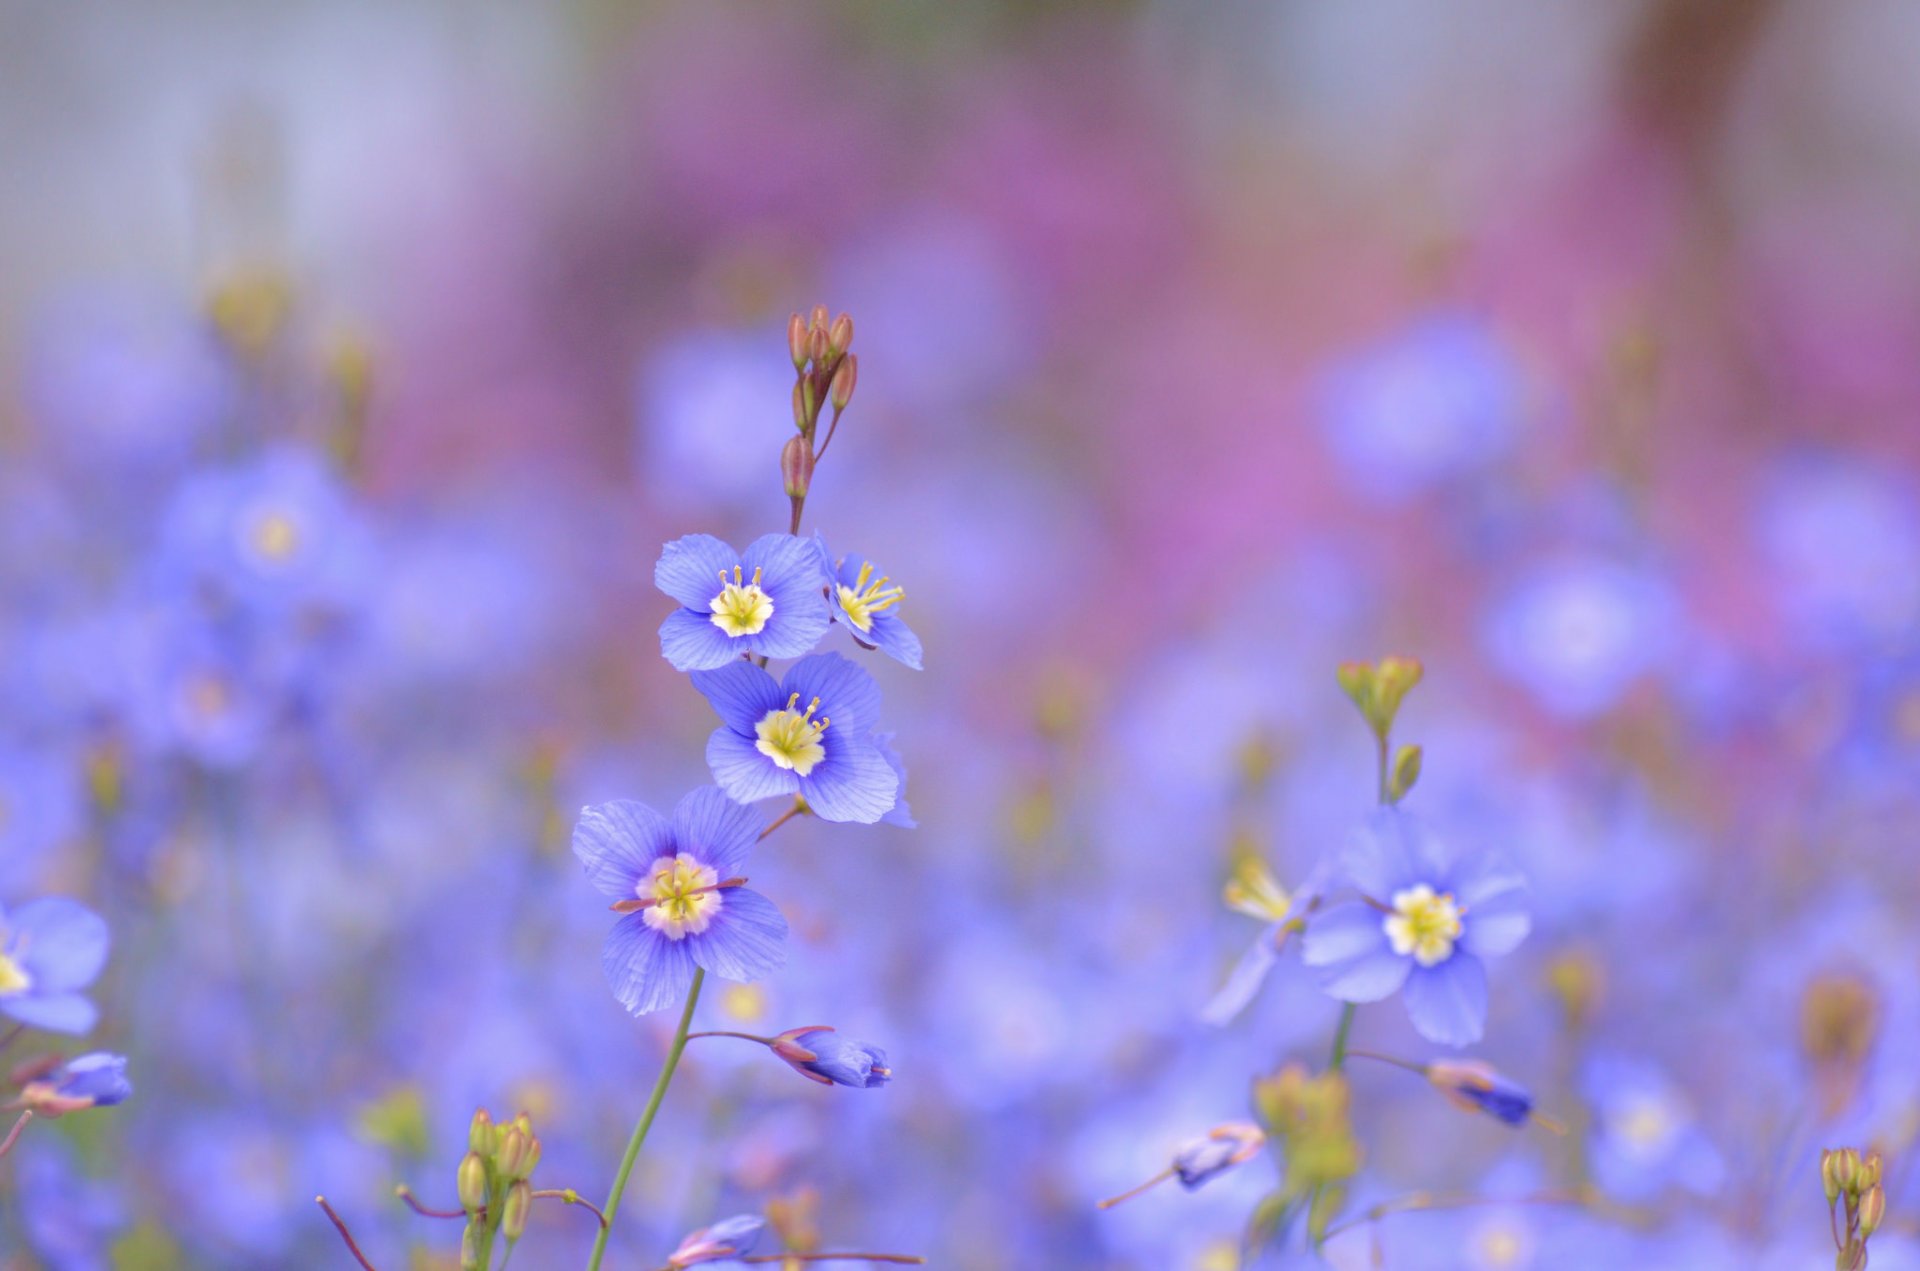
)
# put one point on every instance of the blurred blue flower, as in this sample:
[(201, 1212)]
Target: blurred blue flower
[(725, 1239), (770, 744), (50, 949), (41, 807), (864, 604), (679, 885), (1424, 919), (1437, 399), (830, 1059), (703, 403), (1577, 632), (1842, 535), (767, 601), (1646, 1137), (95, 1080), (68, 1219)]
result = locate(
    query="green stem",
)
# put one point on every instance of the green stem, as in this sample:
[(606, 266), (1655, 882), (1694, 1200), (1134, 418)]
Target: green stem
[(645, 1123), (1338, 1059)]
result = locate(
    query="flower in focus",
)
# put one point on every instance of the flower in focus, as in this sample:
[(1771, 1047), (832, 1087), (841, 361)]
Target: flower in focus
[(1423, 921), (677, 883), (96, 1080), (823, 1055), (809, 734), (726, 1239), (50, 950), (864, 601), (766, 601)]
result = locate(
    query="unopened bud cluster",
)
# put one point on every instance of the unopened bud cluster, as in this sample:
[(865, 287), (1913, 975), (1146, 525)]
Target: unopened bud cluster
[(826, 371), (1310, 1118), (1378, 689), (1856, 1202), (492, 1183)]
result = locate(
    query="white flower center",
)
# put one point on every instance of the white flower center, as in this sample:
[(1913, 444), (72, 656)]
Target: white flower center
[(1423, 923), (741, 608), (13, 977), (866, 598), (685, 896), (791, 737)]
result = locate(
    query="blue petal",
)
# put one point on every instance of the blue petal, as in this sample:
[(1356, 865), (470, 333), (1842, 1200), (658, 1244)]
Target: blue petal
[(690, 642), (689, 569), (645, 970), (741, 694), (1495, 897), (1349, 946), (796, 583), (743, 772), (848, 695), (1448, 1002), (64, 943), (893, 637), (54, 1012), (616, 842), (746, 939), (716, 830), (899, 814), (1248, 974), (1389, 852), (853, 783)]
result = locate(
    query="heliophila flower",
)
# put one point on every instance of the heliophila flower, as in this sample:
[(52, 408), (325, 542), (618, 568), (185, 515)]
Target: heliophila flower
[(810, 734), (863, 599), (1423, 920), (97, 1080), (768, 601), (725, 1239), (820, 1054), (49, 950), (679, 885)]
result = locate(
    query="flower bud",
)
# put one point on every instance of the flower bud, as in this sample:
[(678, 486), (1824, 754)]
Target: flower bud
[(1224, 1147), (796, 467), (1473, 1086), (817, 346), (471, 1183), (802, 418), (817, 320), (839, 335), (482, 1136), (1406, 771), (512, 1153), (726, 1239), (1873, 1210), (473, 1247), (820, 1054), (797, 340), (1829, 1174), (97, 1080), (514, 1210), (844, 378), (1846, 1168)]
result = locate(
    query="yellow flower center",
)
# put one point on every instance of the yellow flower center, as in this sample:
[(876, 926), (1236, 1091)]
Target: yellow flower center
[(208, 696), (13, 977), (791, 737), (1423, 923), (741, 608), (274, 536), (864, 599), (684, 893), (1645, 1123)]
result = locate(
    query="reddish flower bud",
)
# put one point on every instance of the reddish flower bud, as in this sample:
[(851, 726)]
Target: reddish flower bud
[(817, 320), (796, 466), (840, 334), (797, 340), (843, 381)]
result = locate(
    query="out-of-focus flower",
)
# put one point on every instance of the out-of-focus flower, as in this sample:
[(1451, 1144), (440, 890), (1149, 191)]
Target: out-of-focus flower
[(679, 885), (1578, 632), (40, 807), (728, 1238), (863, 601), (766, 601), (51, 949), (1843, 540), (96, 1080), (1646, 1135), (825, 1056), (1424, 921), (809, 734)]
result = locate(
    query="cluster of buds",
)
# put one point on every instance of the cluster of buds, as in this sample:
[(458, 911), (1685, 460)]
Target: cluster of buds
[(1856, 1203), (1310, 1120), (1377, 689), (51, 1087), (826, 371), (493, 1185), (1839, 1023)]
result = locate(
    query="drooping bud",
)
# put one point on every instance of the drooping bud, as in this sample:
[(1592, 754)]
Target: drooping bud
[(514, 1210), (840, 335), (1225, 1146), (844, 379), (727, 1239), (1406, 771), (796, 467), (1473, 1086), (97, 1080), (797, 340), (820, 1054), (470, 1183)]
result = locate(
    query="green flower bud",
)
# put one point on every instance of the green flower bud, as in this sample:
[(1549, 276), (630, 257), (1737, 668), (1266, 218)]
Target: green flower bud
[(471, 1183)]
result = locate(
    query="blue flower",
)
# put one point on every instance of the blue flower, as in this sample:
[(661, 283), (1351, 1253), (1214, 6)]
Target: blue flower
[(1472, 1086), (810, 734), (863, 599), (96, 1080), (1423, 921), (768, 601), (725, 1239), (49, 950), (825, 1056), (678, 884)]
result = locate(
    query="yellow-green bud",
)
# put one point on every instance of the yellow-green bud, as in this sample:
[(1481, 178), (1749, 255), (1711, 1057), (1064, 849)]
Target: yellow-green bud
[(1406, 771), (1846, 1169), (1829, 1176), (513, 1151), (482, 1134), (471, 1183), (513, 1213), (1873, 1210)]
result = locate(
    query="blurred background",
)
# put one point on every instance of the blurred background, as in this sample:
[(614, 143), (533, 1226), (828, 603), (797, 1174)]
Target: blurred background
[(1571, 349)]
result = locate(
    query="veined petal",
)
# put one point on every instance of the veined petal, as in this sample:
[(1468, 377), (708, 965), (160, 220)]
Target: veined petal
[(893, 637), (690, 642), (55, 1012), (741, 694), (617, 841), (1248, 974), (853, 783), (716, 830), (848, 695), (65, 943), (645, 970), (743, 772), (1387, 853), (746, 940), (1448, 1002), (689, 569), (899, 814)]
